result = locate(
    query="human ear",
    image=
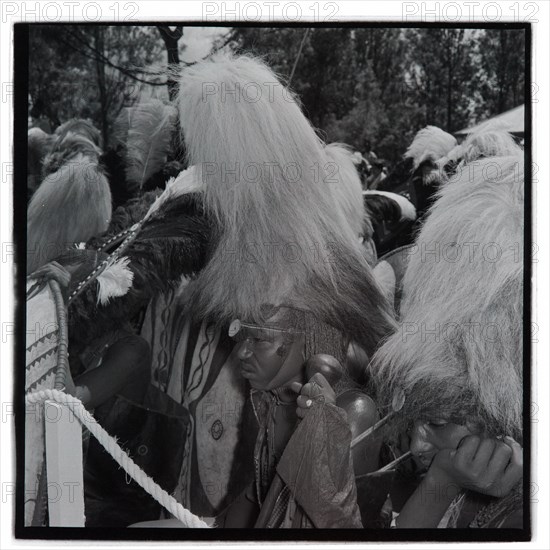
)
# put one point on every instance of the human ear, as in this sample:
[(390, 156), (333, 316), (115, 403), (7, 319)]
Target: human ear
[(282, 350)]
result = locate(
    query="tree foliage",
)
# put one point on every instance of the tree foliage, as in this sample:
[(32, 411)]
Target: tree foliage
[(501, 55), (376, 87), (369, 87), (88, 71)]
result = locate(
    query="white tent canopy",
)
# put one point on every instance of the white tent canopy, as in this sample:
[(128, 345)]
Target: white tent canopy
[(512, 121)]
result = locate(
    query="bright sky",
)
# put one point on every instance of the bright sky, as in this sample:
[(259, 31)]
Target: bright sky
[(199, 41), (195, 44)]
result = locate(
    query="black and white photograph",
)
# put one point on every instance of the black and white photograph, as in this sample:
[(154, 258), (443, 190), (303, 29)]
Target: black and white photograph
[(273, 280)]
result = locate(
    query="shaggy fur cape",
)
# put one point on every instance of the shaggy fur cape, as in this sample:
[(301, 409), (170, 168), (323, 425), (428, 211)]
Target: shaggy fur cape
[(458, 353), (73, 202), (346, 186)]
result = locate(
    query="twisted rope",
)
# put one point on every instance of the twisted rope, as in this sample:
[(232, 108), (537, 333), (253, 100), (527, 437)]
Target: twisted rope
[(62, 346), (120, 456)]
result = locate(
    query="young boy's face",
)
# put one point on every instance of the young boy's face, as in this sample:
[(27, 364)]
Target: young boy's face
[(269, 357), (430, 436)]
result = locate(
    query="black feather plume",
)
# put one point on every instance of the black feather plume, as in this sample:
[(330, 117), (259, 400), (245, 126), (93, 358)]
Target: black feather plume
[(172, 244)]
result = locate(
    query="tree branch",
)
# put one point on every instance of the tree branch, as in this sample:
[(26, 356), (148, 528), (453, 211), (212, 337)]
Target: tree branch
[(169, 34), (97, 56)]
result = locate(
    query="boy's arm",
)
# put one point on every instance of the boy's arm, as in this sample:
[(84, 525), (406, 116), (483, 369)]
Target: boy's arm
[(485, 465), (429, 502)]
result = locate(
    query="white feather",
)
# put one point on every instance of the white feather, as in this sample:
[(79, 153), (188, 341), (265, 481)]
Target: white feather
[(115, 281), (186, 181), (150, 127)]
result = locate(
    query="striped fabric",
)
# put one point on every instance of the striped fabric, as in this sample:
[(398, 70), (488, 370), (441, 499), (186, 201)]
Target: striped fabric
[(42, 338)]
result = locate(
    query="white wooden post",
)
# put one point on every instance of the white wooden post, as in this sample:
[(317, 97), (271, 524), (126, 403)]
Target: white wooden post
[(64, 468)]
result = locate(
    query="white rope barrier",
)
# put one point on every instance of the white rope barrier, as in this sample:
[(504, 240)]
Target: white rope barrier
[(120, 456)]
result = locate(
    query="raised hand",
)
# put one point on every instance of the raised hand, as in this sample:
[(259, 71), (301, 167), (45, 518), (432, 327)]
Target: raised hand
[(52, 270), (316, 389)]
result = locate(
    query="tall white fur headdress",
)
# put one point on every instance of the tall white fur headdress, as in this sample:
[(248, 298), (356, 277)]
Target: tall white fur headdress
[(266, 183), (459, 352), (430, 143)]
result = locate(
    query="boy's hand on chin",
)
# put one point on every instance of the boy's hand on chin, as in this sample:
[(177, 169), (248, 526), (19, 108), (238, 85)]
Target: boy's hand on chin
[(487, 465)]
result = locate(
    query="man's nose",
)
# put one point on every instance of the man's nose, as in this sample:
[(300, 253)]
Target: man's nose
[(420, 439), (245, 350)]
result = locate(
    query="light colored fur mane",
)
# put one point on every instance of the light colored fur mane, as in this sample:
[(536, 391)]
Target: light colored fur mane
[(489, 141), (347, 190), (267, 187), (464, 283), (430, 143), (73, 202)]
